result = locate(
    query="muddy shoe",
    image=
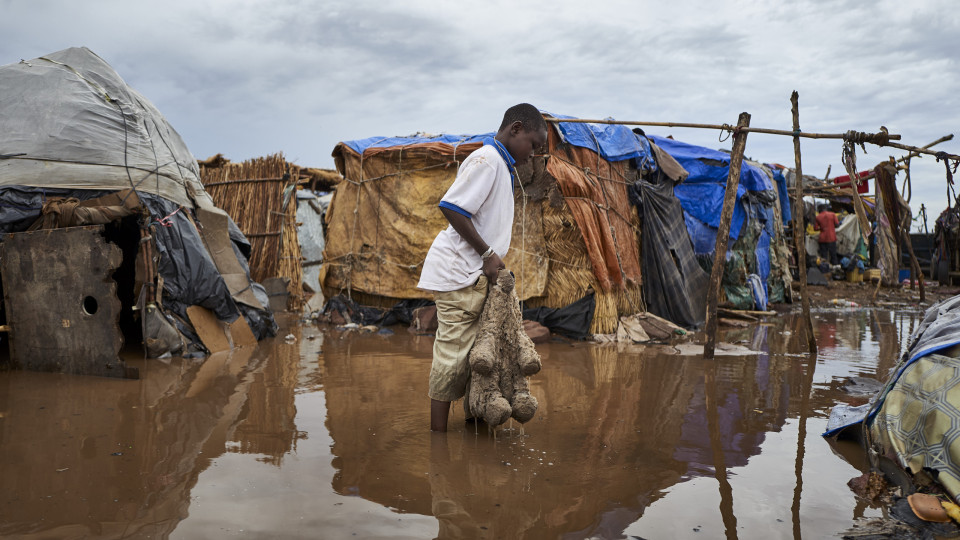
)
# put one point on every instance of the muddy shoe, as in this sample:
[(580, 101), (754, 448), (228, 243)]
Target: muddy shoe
[(926, 529)]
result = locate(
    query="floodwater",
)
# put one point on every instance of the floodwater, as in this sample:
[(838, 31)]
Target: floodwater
[(326, 436)]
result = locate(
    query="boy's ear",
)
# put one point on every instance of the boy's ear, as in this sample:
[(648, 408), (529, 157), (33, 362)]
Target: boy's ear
[(516, 127)]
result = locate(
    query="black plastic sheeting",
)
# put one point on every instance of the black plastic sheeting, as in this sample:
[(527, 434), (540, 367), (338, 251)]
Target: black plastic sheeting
[(190, 276), (20, 205), (674, 284), (572, 320), (400, 313)]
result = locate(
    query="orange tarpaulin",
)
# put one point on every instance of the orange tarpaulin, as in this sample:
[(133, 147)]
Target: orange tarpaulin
[(595, 190)]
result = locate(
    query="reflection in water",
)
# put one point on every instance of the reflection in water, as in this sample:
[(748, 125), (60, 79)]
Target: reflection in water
[(616, 428), (91, 456), (628, 440)]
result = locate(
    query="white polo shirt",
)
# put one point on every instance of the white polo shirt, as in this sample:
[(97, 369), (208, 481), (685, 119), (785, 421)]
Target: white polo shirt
[(483, 191)]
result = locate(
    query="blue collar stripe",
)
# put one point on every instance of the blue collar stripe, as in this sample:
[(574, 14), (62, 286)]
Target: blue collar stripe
[(507, 158)]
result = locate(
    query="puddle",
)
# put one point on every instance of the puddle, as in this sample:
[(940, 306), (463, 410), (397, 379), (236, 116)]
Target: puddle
[(326, 436)]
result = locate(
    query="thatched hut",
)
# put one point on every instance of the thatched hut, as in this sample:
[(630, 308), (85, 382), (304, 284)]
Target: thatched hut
[(576, 232)]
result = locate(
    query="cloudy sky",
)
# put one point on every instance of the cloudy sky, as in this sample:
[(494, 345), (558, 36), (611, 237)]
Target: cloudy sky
[(249, 78)]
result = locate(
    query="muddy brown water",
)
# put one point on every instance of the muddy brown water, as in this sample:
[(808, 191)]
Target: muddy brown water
[(326, 436)]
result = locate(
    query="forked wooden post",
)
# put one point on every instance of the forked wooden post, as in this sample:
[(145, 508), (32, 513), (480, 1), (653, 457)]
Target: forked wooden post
[(723, 234), (799, 232)]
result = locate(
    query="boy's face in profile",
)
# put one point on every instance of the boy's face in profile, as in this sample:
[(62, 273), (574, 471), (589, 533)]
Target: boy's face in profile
[(522, 143)]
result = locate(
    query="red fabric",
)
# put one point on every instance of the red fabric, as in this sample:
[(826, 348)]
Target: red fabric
[(863, 186), (827, 223)]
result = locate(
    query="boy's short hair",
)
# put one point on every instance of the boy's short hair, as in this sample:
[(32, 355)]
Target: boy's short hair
[(526, 114)]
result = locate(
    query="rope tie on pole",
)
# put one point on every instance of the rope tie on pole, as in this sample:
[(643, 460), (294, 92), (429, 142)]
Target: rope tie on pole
[(881, 138), (943, 156), (725, 128)]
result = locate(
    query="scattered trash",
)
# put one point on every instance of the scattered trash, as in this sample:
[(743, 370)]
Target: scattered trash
[(290, 338), (862, 386), (952, 510), (63, 469), (868, 486), (928, 508), (117, 454), (844, 303)]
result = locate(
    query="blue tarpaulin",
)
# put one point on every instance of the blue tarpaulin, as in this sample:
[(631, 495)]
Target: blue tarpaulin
[(360, 145), (612, 142), (783, 193), (701, 194), (706, 165), (704, 202)]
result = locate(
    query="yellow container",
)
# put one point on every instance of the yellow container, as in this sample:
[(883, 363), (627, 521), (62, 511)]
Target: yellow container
[(855, 276), (872, 274)]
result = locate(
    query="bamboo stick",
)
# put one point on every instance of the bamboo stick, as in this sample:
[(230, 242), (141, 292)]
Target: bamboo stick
[(723, 127), (799, 233), (723, 234)]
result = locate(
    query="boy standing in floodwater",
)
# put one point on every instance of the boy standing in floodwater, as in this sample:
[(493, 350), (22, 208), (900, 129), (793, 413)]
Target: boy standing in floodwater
[(466, 256)]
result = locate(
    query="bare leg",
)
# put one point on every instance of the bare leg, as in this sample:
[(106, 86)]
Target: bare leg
[(439, 412)]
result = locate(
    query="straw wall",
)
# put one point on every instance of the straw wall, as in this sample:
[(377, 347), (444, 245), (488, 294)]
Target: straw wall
[(252, 193), (570, 275)]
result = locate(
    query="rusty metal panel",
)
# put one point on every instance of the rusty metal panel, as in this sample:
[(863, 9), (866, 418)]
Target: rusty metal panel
[(61, 301)]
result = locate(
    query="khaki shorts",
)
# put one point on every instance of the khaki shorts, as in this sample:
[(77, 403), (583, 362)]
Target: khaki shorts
[(458, 317)]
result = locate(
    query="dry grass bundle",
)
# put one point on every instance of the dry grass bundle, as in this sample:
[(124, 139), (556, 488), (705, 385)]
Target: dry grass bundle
[(570, 274), (252, 193)]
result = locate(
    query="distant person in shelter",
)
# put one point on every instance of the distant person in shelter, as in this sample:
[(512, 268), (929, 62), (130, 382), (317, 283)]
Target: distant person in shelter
[(827, 224), (466, 256)]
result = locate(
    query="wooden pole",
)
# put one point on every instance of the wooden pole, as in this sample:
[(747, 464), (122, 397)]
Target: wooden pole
[(858, 207), (799, 232), (914, 264), (723, 234), (918, 150), (810, 369), (716, 447), (945, 138), (849, 183), (724, 127)]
